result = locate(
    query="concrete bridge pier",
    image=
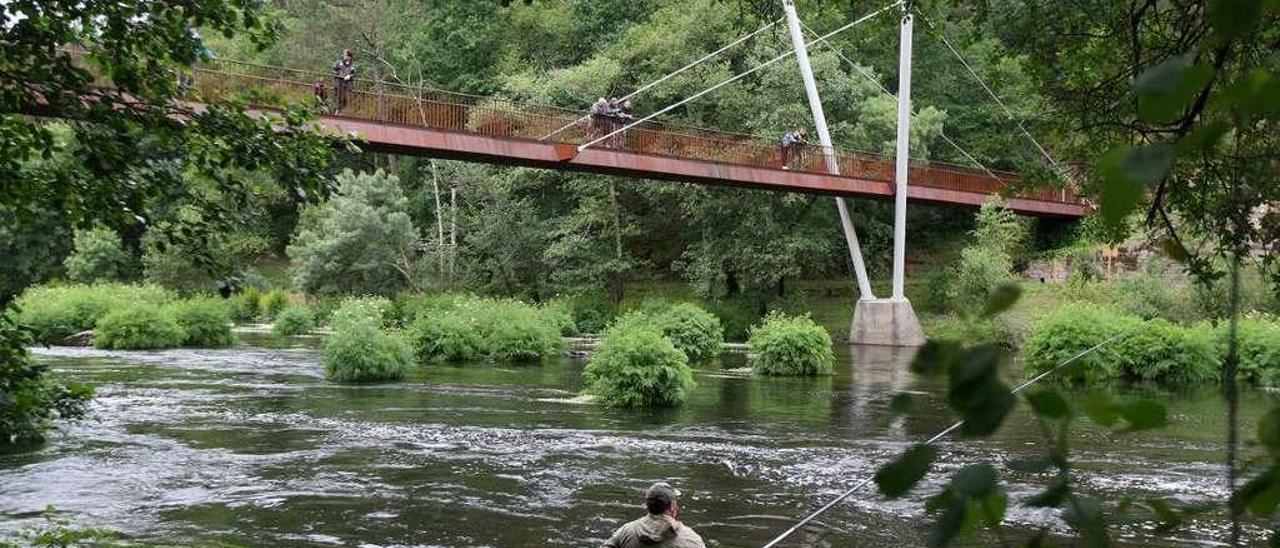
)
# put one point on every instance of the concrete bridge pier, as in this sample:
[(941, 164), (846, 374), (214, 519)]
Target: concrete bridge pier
[(890, 322)]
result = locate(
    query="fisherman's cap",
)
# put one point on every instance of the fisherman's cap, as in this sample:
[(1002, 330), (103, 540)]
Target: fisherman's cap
[(662, 491)]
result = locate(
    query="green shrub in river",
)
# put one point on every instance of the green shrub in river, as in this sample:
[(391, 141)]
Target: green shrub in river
[(560, 313), (361, 352), (138, 326), (375, 310), (1160, 351), (1135, 350), (1071, 330), (57, 311), (272, 303), (295, 319), (636, 366), (790, 346), (205, 322), (1258, 345), (246, 306), (486, 329), (691, 329)]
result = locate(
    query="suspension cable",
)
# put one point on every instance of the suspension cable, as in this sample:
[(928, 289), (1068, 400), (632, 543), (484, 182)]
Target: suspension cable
[(1007, 111), (672, 74), (857, 487), (941, 133), (737, 77)]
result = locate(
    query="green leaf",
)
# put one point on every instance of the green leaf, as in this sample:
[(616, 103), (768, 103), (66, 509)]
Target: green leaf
[(1003, 297), (1099, 407), (1233, 19), (935, 357), (902, 403), (1174, 250), (1269, 431), (974, 481), (1167, 89), (976, 392), (1086, 517), (1049, 404), (1167, 516), (1031, 466), (1127, 172), (1144, 415), (898, 476), (1052, 497), (1261, 494), (949, 524), (1205, 137)]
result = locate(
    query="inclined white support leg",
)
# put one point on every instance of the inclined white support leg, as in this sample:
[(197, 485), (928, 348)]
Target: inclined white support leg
[(893, 321), (824, 138), (903, 160)]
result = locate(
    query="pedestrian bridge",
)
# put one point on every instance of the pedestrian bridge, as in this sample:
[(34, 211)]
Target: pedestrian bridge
[(400, 119)]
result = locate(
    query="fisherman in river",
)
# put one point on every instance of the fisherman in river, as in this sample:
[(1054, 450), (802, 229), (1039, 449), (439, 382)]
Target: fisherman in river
[(659, 529)]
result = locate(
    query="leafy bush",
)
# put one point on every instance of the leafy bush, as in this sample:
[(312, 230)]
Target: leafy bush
[(296, 319), (447, 337), (370, 310), (245, 306), (790, 346), (56, 312), (1160, 351), (137, 327), (492, 330), (361, 241), (98, 257), (970, 331), (691, 329), (561, 314), (981, 269), (1258, 345), (592, 313), (33, 396), (205, 323), (1071, 330), (637, 366), (360, 352), (272, 303), (1152, 297)]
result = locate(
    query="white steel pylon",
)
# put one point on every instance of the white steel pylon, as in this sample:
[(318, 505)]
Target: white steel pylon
[(828, 151), (889, 321)]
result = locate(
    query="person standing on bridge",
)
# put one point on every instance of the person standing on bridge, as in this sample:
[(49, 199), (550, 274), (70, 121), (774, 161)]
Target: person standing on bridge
[(659, 529), (344, 74), (792, 146), (599, 119), (622, 115)]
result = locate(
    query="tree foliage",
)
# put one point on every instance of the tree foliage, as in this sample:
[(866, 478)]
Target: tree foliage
[(360, 242), (97, 257)]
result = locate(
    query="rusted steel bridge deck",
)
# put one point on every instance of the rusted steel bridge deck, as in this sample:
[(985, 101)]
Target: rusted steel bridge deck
[(426, 122)]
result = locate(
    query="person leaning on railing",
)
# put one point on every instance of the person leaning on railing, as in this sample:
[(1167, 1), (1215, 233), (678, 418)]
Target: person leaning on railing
[(792, 148), (344, 74)]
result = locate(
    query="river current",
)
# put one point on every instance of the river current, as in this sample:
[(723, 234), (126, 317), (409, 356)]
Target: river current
[(250, 446)]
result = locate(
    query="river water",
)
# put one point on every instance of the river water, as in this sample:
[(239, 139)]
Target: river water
[(251, 446)]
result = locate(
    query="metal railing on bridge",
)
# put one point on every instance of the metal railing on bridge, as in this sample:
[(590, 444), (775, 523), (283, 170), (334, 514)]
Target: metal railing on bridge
[(392, 103)]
